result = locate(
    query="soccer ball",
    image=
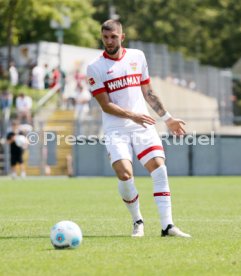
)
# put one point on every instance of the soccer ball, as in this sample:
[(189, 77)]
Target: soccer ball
[(65, 234), (21, 141)]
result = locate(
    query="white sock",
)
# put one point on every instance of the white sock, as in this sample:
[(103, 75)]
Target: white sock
[(161, 193), (23, 174), (14, 175), (130, 196)]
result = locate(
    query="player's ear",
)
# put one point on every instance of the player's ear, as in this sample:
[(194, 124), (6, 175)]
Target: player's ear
[(123, 37)]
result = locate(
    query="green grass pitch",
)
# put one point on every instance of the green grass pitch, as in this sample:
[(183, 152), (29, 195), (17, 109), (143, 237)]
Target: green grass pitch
[(209, 208)]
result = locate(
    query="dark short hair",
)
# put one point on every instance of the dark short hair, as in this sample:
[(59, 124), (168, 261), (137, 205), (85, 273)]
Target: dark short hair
[(109, 25), (10, 135)]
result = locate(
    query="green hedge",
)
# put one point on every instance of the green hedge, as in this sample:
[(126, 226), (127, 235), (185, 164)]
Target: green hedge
[(36, 95)]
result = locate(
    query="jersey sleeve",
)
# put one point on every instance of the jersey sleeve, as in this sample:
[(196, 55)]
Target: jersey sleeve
[(95, 83), (145, 78)]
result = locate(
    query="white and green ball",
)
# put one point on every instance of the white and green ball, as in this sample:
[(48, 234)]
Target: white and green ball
[(66, 234)]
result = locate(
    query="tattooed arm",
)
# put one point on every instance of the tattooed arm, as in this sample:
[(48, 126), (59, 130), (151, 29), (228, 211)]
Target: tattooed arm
[(175, 125), (152, 99)]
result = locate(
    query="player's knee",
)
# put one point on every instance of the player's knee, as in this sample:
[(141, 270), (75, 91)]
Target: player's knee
[(124, 176)]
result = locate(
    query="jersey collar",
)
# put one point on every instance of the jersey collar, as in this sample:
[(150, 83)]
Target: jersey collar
[(116, 59)]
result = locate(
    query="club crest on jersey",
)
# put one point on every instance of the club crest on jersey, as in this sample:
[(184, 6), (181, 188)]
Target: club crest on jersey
[(133, 65), (91, 81), (123, 82)]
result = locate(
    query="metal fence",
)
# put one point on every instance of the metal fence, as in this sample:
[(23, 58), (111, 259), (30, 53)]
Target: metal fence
[(208, 80), (88, 155), (187, 159)]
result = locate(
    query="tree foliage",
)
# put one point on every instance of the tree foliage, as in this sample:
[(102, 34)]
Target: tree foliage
[(31, 21), (209, 30)]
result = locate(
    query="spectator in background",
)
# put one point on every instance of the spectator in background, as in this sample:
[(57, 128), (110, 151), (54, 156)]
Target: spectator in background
[(192, 85), (38, 75), (5, 107), (55, 77), (2, 72), (13, 74), (82, 99), (183, 83), (58, 77), (16, 153), (17, 128), (69, 163), (23, 107), (46, 77), (62, 80), (6, 101), (176, 81), (79, 78), (68, 97), (82, 95)]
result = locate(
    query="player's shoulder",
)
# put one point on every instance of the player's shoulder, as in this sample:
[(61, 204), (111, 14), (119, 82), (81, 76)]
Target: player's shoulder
[(135, 52), (95, 63)]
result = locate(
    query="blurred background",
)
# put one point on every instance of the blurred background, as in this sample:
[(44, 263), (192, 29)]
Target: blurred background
[(194, 56)]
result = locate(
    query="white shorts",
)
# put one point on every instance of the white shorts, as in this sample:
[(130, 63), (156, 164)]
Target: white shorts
[(145, 143)]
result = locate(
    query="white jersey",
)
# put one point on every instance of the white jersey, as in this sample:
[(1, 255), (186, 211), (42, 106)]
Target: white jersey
[(121, 79)]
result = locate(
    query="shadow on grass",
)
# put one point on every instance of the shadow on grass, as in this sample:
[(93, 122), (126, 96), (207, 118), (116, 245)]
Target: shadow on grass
[(23, 237), (106, 236), (47, 237)]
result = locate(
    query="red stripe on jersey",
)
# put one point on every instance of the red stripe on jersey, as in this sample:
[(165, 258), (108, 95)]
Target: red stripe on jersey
[(162, 194), (146, 151), (145, 81), (115, 59), (131, 201), (98, 91), (122, 82)]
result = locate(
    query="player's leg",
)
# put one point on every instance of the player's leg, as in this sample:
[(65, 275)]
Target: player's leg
[(120, 154), (129, 194), (14, 171), (127, 189), (22, 169), (152, 157), (21, 164), (162, 195), (161, 191), (13, 162)]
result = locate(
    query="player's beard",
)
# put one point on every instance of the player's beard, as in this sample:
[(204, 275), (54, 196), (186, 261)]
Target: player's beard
[(113, 52)]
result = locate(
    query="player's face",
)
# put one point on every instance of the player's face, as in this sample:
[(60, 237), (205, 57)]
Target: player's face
[(112, 40)]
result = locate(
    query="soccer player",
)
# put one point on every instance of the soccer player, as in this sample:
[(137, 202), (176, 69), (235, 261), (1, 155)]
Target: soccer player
[(120, 82)]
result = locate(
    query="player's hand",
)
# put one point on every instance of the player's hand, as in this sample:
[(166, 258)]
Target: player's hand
[(143, 119), (176, 126)]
